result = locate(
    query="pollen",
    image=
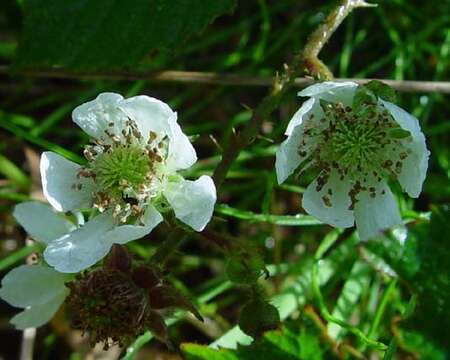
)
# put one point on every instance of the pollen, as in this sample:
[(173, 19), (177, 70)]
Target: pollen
[(124, 166), (358, 145), (125, 170)]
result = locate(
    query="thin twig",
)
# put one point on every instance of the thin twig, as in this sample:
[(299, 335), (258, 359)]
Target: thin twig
[(210, 78), (322, 34)]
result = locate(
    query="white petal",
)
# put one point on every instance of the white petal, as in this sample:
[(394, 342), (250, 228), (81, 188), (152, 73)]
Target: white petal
[(332, 91), (125, 233), (30, 285), (338, 214), (81, 248), (300, 115), (150, 114), (39, 314), (41, 221), (58, 177), (373, 215), (154, 115), (94, 116), (192, 201), (287, 158), (182, 154), (415, 166)]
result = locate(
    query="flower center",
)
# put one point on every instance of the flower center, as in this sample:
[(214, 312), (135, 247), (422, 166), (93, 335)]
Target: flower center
[(126, 170), (363, 147), (359, 144)]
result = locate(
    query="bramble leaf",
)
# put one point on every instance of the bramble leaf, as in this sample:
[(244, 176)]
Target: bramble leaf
[(424, 263), (275, 345), (101, 34)]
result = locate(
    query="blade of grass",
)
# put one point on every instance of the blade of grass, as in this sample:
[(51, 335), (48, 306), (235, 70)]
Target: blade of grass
[(13, 173), (6, 124), (286, 220), (358, 279), (17, 255)]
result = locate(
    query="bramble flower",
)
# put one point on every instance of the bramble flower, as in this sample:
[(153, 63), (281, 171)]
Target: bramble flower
[(130, 178), (357, 140), (37, 288)]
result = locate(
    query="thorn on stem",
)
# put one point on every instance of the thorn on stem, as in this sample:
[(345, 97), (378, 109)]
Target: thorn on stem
[(216, 143)]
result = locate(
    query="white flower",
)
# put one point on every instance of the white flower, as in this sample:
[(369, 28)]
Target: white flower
[(38, 289), (356, 153), (131, 177)]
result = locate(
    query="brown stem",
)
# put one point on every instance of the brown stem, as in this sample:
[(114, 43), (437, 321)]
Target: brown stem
[(322, 34), (197, 77)]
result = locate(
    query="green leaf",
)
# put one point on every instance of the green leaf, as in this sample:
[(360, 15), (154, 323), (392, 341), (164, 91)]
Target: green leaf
[(99, 34), (200, 352), (424, 263), (311, 348), (275, 345)]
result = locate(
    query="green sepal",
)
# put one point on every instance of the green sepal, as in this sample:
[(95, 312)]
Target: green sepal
[(363, 99), (398, 133), (368, 94), (382, 90)]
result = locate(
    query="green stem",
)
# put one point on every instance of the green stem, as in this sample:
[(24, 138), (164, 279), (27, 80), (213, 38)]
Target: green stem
[(240, 141), (283, 220), (168, 246), (323, 247), (327, 243), (382, 307)]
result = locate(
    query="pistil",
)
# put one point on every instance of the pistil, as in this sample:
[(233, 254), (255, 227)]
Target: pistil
[(358, 145), (126, 170)]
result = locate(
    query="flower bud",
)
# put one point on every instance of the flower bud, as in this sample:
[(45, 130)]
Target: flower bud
[(258, 316)]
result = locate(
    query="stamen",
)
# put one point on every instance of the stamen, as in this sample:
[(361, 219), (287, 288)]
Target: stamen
[(355, 145), (123, 169)]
